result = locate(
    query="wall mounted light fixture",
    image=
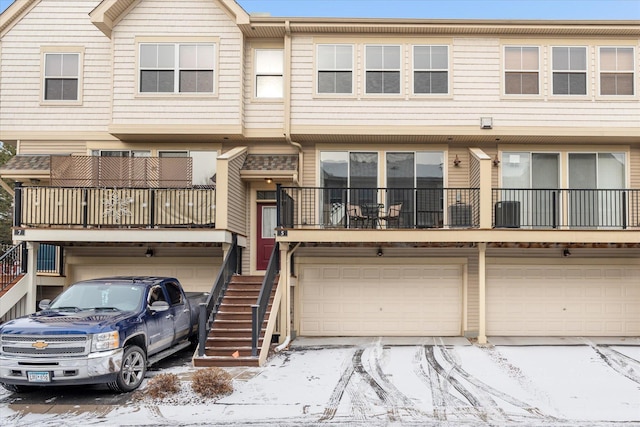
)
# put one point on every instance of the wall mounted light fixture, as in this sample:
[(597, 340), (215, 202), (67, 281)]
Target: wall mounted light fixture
[(457, 161), (268, 180), (566, 252), (380, 253), (149, 253), (496, 161)]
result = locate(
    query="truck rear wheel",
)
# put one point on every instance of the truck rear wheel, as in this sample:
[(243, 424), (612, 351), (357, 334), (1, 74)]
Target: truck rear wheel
[(134, 366)]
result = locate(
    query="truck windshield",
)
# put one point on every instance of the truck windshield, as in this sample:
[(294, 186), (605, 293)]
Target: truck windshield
[(99, 296)]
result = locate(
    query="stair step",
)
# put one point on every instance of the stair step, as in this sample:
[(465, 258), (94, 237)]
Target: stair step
[(228, 351), (221, 361)]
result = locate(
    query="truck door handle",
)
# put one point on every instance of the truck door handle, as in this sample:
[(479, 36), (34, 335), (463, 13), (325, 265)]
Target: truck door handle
[(169, 316)]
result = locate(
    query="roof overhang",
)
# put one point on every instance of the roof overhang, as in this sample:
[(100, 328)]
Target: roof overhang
[(277, 27)]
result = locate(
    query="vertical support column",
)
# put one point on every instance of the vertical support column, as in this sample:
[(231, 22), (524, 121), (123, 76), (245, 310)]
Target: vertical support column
[(285, 301), (482, 330), (32, 273)]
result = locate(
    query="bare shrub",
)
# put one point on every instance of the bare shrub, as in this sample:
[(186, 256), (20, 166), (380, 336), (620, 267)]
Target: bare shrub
[(211, 382), (162, 385)]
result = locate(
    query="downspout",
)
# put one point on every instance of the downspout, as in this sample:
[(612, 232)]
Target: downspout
[(287, 97), (287, 340)]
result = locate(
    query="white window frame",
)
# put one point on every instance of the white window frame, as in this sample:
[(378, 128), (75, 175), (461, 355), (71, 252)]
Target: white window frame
[(383, 70), (520, 70), (270, 72), (431, 69), (47, 53), (629, 71), (585, 71), (336, 69), (177, 68)]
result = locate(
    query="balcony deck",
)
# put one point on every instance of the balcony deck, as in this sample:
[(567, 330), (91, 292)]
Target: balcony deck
[(115, 207), (454, 215)]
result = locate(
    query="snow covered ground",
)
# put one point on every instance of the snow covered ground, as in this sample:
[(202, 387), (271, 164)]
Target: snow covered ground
[(375, 383)]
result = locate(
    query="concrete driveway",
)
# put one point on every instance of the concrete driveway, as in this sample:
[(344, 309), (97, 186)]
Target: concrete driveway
[(384, 381)]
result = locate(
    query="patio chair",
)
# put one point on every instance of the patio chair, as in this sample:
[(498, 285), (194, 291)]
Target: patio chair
[(356, 219), (393, 216)]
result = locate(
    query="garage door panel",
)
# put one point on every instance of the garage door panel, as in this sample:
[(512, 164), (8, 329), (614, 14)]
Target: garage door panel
[(586, 300), (390, 300)]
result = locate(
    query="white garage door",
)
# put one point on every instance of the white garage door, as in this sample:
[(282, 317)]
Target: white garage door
[(372, 300), (193, 277), (579, 300)]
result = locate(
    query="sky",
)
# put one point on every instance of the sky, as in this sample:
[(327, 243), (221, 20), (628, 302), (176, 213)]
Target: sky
[(443, 9)]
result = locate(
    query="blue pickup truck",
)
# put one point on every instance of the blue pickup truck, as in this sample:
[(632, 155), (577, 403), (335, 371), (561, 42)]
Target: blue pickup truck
[(97, 331)]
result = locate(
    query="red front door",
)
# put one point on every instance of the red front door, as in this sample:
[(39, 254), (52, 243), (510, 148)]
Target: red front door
[(266, 234)]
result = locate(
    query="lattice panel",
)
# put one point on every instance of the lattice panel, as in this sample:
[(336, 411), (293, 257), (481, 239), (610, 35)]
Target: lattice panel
[(133, 172)]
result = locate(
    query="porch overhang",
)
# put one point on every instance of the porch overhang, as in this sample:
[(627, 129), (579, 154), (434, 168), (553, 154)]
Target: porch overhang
[(277, 168), (178, 132), (124, 235), (463, 237)]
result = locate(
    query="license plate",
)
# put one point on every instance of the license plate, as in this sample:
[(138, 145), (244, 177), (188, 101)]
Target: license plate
[(39, 377)]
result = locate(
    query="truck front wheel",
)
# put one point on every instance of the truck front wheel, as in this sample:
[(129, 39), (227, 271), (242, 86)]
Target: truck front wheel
[(134, 366)]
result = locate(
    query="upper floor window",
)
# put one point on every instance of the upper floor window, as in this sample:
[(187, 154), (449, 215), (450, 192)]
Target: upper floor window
[(616, 71), (177, 68), (61, 76), (269, 69), (430, 69), (335, 69), (521, 70), (383, 69), (569, 67)]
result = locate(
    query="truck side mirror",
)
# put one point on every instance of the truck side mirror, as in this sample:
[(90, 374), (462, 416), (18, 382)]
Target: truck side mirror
[(44, 304), (159, 306)]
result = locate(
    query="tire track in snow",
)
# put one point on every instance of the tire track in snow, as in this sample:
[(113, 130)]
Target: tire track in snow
[(383, 395), (337, 393), (401, 400), (619, 362), (448, 378), (537, 412)]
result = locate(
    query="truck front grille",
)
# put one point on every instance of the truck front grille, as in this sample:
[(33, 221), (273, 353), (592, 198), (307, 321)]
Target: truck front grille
[(44, 345)]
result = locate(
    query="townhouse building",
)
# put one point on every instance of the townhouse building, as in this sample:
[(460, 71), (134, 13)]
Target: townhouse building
[(391, 177)]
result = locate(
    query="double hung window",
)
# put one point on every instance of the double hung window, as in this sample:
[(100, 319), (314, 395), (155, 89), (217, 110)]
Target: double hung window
[(616, 71), (569, 68), (269, 69), (382, 69), (521, 70), (61, 76), (177, 68), (430, 69), (335, 69)]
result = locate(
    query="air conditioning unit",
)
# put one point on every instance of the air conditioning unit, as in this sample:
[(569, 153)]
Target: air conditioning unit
[(460, 215), (507, 214)]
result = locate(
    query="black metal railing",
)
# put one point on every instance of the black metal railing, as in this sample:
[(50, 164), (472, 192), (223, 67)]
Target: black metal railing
[(378, 208), (566, 208), (114, 207), (208, 310), (13, 264), (259, 309)]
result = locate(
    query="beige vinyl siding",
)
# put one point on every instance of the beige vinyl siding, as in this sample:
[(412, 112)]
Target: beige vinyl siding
[(259, 114), (21, 65), (475, 80), (52, 147), (157, 19), (237, 203), (634, 167), (309, 167)]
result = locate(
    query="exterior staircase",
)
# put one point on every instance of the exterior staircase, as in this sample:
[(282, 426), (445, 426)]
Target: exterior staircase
[(229, 340)]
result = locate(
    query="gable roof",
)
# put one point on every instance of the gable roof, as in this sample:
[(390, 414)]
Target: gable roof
[(11, 15), (109, 12)]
